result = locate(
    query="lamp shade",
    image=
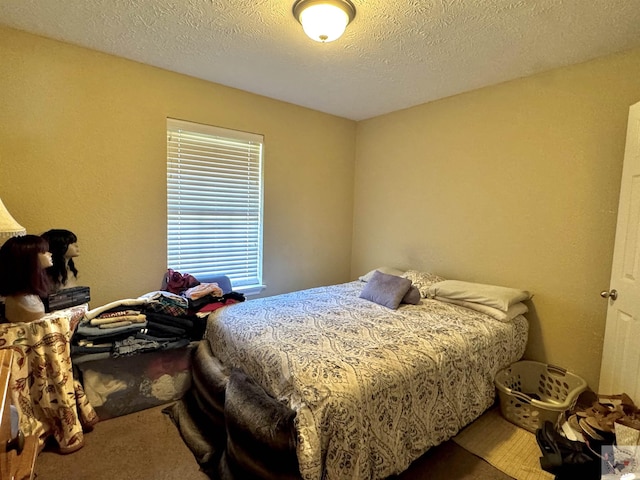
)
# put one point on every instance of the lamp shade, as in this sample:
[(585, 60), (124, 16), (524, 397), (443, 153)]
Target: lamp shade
[(8, 225), (324, 20)]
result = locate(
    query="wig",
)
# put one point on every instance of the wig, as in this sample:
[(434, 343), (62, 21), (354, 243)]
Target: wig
[(59, 241), (21, 272)]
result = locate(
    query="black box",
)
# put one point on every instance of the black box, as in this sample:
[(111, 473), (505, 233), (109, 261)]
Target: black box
[(68, 297)]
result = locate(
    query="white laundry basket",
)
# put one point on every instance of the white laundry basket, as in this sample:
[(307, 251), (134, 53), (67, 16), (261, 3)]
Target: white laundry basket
[(533, 392)]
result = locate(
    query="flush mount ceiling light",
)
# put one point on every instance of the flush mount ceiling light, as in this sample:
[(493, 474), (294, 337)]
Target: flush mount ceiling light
[(324, 20)]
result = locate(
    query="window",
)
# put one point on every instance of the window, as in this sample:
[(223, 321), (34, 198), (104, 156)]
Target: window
[(214, 203)]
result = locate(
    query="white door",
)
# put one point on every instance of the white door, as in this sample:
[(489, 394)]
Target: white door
[(620, 370)]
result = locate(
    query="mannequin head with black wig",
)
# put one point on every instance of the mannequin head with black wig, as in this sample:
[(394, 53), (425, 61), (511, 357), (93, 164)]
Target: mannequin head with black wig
[(63, 245), (23, 278)]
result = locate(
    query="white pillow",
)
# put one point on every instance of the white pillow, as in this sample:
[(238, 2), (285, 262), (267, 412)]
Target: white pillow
[(514, 310), (388, 270), (491, 295)]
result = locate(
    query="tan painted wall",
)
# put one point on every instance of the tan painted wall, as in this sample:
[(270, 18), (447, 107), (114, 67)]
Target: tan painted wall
[(82, 147), (514, 185)]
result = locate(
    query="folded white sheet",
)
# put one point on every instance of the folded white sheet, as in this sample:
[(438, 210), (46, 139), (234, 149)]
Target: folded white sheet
[(490, 295), (513, 311)]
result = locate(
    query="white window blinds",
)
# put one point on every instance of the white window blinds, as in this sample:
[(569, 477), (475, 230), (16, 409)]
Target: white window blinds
[(214, 203)]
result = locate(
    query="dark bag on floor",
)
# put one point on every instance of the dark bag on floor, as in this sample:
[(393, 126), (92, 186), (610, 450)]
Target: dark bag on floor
[(565, 458)]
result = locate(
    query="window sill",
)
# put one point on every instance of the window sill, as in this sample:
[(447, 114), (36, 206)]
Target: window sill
[(250, 290)]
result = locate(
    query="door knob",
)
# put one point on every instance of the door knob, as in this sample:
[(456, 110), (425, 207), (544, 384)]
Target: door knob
[(613, 294)]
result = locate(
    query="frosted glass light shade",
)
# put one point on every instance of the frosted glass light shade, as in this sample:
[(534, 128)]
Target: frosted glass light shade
[(8, 225), (324, 21)]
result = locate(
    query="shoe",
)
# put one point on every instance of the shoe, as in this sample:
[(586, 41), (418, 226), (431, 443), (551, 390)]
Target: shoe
[(561, 455), (551, 459)]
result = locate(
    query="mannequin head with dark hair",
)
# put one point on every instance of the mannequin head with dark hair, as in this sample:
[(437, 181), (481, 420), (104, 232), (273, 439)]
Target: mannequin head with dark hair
[(63, 245), (23, 261), (23, 277)]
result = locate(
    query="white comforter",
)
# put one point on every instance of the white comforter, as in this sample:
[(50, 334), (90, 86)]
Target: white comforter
[(373, 388)]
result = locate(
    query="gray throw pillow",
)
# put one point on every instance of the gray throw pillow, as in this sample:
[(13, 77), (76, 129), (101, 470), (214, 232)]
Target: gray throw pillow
[(386, 290), (412, 296)]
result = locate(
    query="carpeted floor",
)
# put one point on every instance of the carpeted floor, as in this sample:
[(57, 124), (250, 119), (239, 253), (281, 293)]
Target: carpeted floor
[(146, 446)]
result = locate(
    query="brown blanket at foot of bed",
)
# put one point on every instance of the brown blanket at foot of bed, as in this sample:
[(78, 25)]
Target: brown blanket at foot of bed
[(233, 427)]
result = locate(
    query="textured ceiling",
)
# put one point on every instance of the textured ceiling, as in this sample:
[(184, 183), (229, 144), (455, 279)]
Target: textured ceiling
[(395, 54)]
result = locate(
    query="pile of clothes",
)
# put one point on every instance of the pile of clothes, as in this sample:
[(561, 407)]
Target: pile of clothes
[(599, 439), (165, 319)]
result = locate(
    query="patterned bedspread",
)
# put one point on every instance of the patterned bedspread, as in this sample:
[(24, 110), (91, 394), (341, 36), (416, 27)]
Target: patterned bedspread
[(373, 388)]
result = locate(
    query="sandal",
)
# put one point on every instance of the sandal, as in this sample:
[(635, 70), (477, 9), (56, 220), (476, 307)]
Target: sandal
[(590, 431), (599, 419)]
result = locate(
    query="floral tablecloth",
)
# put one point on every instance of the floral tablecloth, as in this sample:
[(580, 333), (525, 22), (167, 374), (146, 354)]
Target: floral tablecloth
[(49, 400)]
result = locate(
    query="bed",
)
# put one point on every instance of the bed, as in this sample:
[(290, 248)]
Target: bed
[(369, 388)]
